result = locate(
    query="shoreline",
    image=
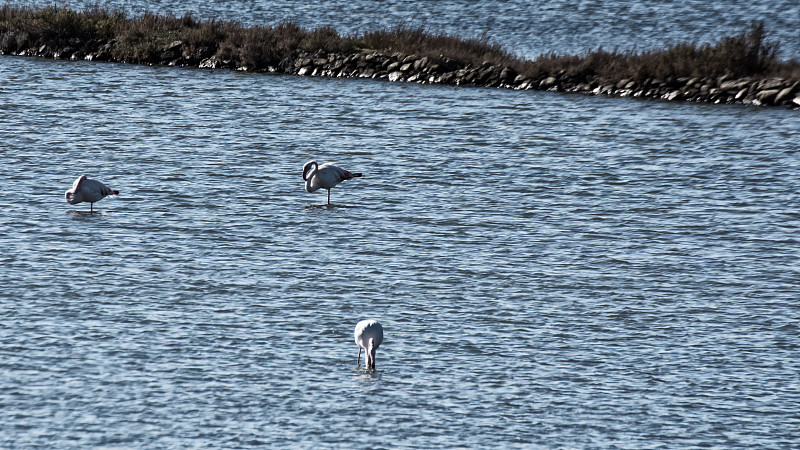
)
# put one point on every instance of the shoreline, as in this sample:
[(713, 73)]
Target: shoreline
[(108, 36)]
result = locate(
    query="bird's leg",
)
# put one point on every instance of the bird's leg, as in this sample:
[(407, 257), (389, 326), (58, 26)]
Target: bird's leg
[(329, 202), (358, 360), (91, 207)]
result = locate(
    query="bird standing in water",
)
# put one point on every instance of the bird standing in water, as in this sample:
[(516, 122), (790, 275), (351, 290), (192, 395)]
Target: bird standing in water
[(369, 335), (325, 176), (88, 190)]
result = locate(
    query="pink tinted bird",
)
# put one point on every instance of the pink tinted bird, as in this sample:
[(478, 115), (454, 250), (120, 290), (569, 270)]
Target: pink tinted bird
[(325, 176), (88, 190)]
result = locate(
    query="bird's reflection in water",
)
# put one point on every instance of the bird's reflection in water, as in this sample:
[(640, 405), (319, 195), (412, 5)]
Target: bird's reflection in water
[(329, 206), (367, 377), (76, 213)]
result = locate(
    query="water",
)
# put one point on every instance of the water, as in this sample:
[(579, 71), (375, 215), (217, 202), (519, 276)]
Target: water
[(551, 270)]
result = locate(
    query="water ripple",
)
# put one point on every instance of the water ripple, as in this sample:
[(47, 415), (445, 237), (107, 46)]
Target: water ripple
[(549, 269)]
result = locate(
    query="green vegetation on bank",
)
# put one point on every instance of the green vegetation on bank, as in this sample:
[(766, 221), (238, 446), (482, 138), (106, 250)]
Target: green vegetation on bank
[(111, 35)]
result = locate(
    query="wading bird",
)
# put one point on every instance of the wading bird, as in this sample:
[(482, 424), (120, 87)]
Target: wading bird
[(325, 176), (88, 190), (369, 335)]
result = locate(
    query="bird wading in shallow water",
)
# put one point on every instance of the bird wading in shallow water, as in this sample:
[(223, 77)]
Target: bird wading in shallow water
[(88, 190), (369, 335), (325, 176)]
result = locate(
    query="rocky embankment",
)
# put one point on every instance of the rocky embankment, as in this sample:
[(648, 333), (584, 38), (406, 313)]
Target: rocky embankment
[(395, 66), (411, 68)]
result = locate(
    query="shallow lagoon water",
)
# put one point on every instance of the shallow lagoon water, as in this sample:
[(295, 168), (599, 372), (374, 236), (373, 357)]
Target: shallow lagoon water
[(551, 270)]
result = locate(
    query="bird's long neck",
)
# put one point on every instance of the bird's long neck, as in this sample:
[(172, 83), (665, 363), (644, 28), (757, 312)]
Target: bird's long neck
[(371, 353), (310, 169)]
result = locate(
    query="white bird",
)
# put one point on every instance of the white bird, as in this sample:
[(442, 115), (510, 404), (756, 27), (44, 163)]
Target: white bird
[(88, 190), (325, 176), (369, 335)]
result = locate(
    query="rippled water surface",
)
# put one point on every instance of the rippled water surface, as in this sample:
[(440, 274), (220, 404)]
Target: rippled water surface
[(551, 270)]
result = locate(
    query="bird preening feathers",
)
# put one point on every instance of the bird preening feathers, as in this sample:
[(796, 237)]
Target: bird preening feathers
[(88, 190), (325, 176)]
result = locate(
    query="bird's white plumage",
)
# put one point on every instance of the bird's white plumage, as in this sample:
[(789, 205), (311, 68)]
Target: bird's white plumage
[(369, 336), (87, 190)]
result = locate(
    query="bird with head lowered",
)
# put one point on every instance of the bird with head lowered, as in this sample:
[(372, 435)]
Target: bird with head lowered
[(88, 190), (368, 335)]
